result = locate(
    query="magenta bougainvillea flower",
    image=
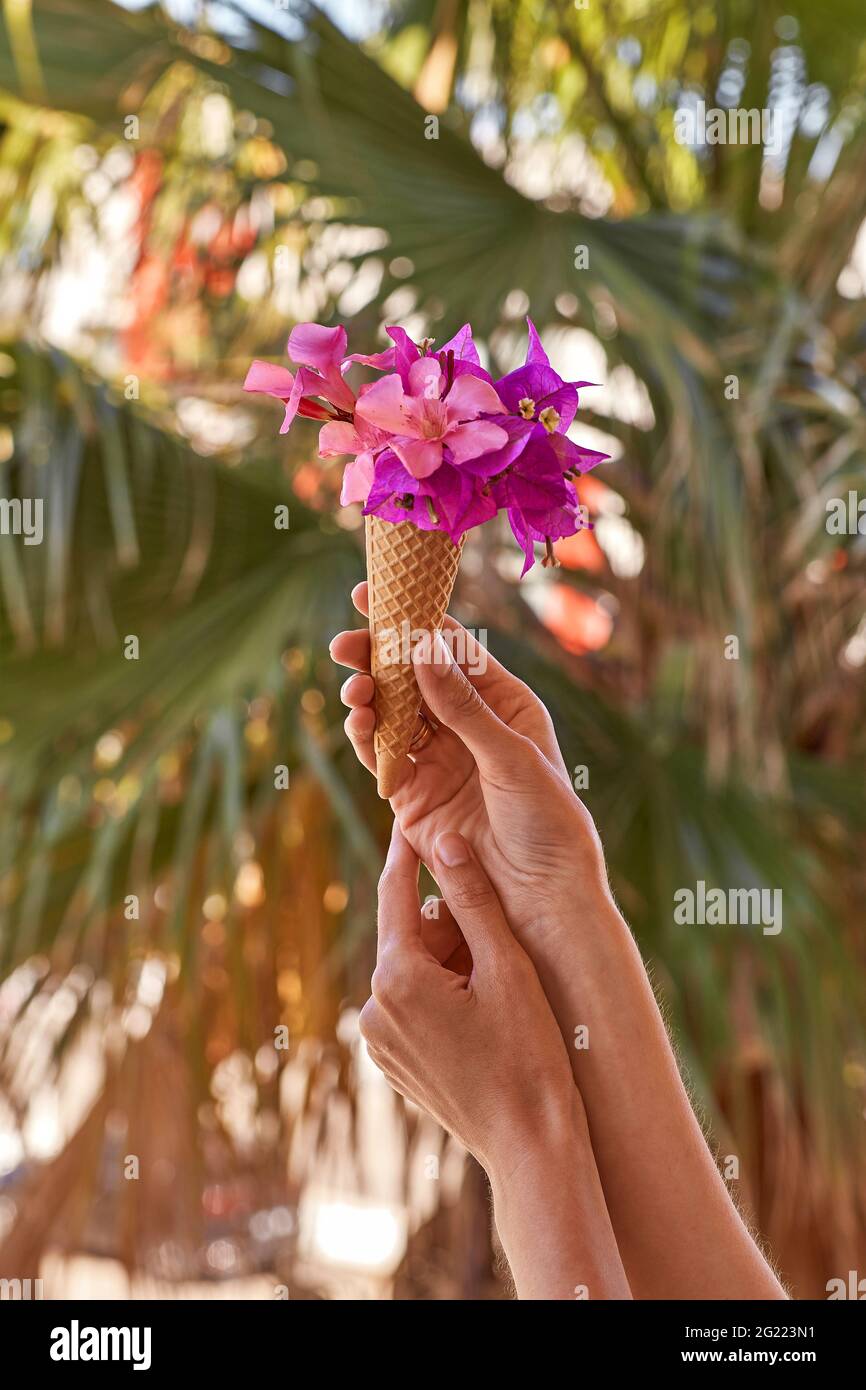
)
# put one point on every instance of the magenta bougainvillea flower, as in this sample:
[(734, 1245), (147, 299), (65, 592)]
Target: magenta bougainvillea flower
[(434, 440)]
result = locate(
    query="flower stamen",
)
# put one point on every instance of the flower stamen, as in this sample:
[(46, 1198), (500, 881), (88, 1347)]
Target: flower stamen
[(550, 561)]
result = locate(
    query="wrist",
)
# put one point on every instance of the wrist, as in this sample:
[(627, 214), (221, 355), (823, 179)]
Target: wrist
[(552, 1137), (578, 911)]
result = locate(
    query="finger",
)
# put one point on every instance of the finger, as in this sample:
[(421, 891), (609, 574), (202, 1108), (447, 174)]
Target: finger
[(455, 702), (352, 649), (399, 908), (472, 899), (485, 672), (360, 727), (358, 691), (443, 938), (493, 681), (482, 668)]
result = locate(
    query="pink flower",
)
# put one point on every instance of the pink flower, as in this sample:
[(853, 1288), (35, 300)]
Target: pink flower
[(321, 353), (432, 415)]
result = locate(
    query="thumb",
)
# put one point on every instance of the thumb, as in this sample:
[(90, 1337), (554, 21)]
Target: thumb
[(471, 898), (453, 700)]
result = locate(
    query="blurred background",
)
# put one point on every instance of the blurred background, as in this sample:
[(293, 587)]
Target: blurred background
[(188, 851)]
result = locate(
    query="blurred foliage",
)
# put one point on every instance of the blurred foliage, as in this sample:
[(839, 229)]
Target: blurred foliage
[(276, 174)]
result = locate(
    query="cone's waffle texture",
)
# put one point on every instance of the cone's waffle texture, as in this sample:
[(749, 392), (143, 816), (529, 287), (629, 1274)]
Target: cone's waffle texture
[(411, 575)]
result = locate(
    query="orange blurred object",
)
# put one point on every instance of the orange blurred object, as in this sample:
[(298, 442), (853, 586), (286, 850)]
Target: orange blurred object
[(220, 282), (577, 621), (591, 492), (306, 481), (145, 182), (580, 552)]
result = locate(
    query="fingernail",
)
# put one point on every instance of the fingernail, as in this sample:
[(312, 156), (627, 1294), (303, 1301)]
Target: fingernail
[(452, 849), (441, 655), (431, 650)]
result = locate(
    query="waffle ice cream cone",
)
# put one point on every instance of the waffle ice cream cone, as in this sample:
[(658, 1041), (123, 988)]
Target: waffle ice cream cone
[(411, 575)]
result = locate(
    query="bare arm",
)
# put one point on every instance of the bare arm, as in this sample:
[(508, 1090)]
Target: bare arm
[(678, 1230)]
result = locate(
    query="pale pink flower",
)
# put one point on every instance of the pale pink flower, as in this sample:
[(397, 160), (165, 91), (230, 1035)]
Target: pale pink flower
[(428, 418)]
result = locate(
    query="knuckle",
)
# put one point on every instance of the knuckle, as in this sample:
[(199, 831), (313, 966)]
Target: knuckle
[(465, 699), (529, 758), (472, 893), (388, 986), (523, 693), (392, 1079), (380, 985), (545, 719), (370, 1023)]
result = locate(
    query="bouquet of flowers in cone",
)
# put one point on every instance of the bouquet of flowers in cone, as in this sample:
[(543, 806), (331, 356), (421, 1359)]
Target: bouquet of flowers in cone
[(437, 447)]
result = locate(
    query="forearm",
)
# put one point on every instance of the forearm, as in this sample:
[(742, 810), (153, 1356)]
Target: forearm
[(677, 1229), (553, 1223)]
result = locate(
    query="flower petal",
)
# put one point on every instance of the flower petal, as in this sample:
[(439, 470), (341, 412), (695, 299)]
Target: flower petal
[(544, 387), (357, 479), (323, 349), (425, 379), (462, 346), (382, 361), (392, 488), (405, 352), (473, 438), (571, 455), (381, 403), (517, 432), (470, 396), (338, 437), (420, 457), (270, 379), (535, 353), (314, 345), (524, 540), (306, 383), (458, 501)]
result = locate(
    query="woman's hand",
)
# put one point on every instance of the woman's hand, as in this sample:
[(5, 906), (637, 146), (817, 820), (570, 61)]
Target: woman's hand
[(482, 1053), (494, 768), (480, 1050)]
